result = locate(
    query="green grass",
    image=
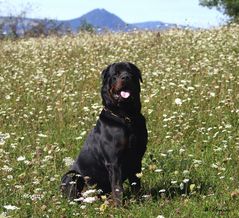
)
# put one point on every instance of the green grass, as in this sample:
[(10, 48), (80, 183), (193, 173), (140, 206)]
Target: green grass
[(50, 99)]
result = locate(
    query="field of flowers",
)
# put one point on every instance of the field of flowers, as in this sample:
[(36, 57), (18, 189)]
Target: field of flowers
[(50, 99)]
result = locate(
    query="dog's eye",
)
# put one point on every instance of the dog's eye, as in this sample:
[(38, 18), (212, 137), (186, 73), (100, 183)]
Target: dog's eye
[(114, 78)]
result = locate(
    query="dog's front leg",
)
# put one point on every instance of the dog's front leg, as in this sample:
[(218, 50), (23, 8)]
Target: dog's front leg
[(116, 183), (134, 178)]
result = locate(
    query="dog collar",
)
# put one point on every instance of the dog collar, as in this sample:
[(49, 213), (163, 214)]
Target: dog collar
[(125, 118)]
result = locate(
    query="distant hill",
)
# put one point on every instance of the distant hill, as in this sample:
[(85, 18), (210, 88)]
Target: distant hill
[(100, 20), (153, 25)]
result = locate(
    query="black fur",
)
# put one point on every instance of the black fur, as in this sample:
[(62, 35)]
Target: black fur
[(114, 149)]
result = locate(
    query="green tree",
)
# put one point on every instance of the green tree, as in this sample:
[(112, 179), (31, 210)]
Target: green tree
[(46, 27), (86, 27), (228, 7)]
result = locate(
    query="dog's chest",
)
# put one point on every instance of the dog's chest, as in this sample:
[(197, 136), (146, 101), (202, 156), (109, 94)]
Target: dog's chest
[(121, 134)]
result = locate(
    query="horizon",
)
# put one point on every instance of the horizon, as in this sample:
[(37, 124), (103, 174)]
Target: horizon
[(180, 12)]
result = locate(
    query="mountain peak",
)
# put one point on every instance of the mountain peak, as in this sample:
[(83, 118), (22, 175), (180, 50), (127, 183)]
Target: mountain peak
[(103, 18), (100, 10)]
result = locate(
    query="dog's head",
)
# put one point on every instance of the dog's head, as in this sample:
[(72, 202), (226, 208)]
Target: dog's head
[(121, 86)]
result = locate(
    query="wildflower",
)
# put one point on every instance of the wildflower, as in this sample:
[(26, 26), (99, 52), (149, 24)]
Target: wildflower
[(72, 203), (181, 186), (4, 214), (139, 175), (103, 207), (212, 94), (163, 155), (103, 197), (181, 150), (178, 101), (192, 187), (83, 133), (3, 137), (7, 97), (228, 126), (150, 111), (68, 161), (186, 180), (2, 142), (78, 199), (88, 192), (82, 207), (86, 109), (59, 73), (146, 196), (9, 177), (10, 207), (152, 167), (89, 200), (42, 135), (6, 168), (21, 158), (215, 166), (185, 172)]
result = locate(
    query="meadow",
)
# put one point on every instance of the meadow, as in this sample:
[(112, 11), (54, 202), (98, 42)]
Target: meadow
[(50, 99)]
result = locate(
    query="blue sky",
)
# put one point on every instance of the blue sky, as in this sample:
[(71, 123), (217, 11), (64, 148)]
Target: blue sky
[(172, 11)]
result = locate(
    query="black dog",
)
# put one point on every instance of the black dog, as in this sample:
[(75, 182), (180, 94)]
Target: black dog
[(114, 149)]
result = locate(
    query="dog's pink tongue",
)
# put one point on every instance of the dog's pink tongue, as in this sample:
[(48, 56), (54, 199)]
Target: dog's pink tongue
[(124, 94)]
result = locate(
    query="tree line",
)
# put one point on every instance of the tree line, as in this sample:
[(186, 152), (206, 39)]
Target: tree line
[(227, 7), (18, 25)]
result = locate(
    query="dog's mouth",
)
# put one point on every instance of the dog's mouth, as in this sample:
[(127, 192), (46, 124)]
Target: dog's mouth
[(122, 95), (125, 94), (121, 91)]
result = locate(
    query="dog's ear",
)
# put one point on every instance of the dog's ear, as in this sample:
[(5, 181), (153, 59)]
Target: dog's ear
[(136, 71), (105, 73)]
